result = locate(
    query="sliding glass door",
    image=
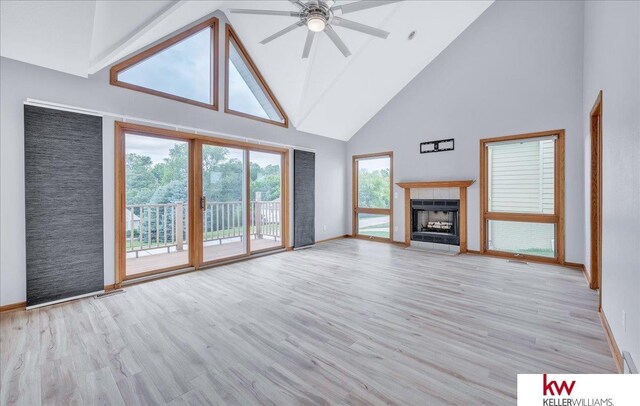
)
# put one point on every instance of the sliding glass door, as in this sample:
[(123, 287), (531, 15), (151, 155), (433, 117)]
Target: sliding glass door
[(372, 191), (265, 194), (156, 211), (189, 201), (223, 202), (240, 208)]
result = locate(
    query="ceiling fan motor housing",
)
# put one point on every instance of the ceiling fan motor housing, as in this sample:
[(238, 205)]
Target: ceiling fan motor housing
[(316, 12)]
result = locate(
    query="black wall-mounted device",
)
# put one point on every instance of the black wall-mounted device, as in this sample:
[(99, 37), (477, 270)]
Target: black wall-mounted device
[(437, 146)]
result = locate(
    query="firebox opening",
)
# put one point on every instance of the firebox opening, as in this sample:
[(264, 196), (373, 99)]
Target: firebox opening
[(435, 221)]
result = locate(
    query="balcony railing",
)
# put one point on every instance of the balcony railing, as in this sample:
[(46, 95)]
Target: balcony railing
[(156, 226)]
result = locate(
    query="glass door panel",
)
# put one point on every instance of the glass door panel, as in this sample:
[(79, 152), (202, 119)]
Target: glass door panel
[(264, 195), (372, 200), (223, 204), (157, 204)]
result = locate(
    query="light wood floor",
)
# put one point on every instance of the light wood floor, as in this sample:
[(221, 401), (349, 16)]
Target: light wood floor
[(346, 322)]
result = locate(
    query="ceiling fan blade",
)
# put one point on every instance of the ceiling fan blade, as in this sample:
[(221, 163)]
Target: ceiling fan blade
[(337, 41), (298, 3), (361, 5), (352, 25), (282, 32), (307, 44), (265, 12)]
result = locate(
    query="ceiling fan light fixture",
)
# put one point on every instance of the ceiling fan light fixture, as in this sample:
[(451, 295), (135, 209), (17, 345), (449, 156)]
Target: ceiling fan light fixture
[(316, 23), (321, 16)]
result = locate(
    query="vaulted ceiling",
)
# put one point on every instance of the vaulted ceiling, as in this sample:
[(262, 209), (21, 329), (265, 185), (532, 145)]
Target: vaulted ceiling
[(326, 94)]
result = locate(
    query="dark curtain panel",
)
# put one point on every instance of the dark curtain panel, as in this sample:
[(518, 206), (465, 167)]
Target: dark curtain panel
[(63, 192), (304, 199)]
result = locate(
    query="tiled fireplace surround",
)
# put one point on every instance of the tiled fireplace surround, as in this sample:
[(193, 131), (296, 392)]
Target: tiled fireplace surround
[(435, 193)]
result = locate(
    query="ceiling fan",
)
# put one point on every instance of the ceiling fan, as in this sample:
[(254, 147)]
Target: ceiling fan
[(322, 15)]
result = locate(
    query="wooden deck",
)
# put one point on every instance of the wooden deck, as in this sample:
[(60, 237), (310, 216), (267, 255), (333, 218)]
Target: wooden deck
[(153, 262)]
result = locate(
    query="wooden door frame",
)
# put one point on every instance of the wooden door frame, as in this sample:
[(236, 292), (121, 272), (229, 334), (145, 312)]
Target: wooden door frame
[(354, 197), (595, 258), (195, 192), (198, 193), (121, 129), (559, 204)]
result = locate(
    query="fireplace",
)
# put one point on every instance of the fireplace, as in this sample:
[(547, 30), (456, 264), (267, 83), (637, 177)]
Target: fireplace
[(436, 221), (441, 194)]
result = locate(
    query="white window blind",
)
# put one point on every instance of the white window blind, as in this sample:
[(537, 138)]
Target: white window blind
[(521, 176)]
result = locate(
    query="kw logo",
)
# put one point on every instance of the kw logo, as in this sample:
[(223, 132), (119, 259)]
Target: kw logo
[(548, 387)]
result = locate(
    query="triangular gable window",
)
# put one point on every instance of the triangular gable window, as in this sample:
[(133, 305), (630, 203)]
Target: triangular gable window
[(182, 68), (246, 92)]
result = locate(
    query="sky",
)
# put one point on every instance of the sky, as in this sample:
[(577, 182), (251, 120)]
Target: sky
[(184, 69), (241, 98), (372, 164), (155, 148), (158, 149)]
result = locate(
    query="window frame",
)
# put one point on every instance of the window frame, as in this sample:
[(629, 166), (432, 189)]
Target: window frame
[(367, 210), (230, 35), (556, 218), (211, 23)]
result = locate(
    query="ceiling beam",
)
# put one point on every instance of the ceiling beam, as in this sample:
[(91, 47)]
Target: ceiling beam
[(304, 115), (109, 57)]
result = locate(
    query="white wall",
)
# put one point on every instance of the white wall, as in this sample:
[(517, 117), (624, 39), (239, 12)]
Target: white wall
[(19, 81), (521, 67), (516, 69), (612, 64)]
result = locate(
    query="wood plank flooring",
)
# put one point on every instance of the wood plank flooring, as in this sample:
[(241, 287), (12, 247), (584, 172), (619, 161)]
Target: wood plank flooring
[(346, 322)]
